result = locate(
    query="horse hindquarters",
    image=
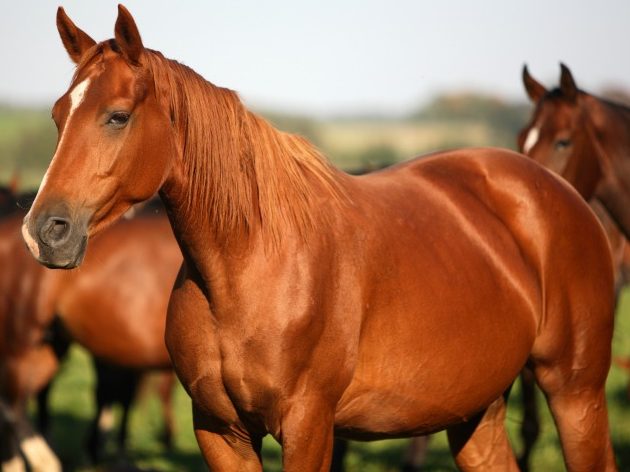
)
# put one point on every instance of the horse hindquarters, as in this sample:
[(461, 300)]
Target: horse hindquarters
[(564, 247), (571, 355)]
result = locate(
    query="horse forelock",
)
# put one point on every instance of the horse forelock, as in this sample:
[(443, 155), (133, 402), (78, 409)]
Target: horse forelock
[(241, 168)]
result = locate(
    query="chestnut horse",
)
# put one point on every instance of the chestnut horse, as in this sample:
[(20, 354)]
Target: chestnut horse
[(313, 303), (115, 306)]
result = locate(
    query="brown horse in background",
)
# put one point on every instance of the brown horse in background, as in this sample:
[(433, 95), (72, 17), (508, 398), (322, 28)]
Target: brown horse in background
[(115, 306), (313, 303), (586, 140)]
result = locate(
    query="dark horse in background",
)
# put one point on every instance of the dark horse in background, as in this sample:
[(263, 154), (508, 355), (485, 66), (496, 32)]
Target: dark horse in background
[(312, 303), (115, 306), (586, 140)]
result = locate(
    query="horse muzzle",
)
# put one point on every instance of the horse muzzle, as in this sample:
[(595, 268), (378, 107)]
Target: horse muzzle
[(55, 238)]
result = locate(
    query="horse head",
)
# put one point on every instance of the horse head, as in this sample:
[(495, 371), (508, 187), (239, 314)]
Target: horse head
[(559, 135), (111, 115)]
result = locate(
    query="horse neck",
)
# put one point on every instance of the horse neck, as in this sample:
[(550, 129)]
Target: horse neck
[(263, 187), (609, 129), (610, 125)]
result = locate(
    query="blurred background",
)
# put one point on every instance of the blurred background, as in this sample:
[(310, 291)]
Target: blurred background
[(369, 82)]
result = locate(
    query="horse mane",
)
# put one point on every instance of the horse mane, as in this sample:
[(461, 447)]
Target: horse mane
[(619, 107), (241, 167), (616, 106)]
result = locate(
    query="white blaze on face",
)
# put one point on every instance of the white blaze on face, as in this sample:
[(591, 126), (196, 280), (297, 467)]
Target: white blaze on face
[(531, 139), (76, 98), (39, 455)]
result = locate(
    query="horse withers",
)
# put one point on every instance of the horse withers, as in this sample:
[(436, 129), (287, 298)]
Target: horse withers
[(312, 303)]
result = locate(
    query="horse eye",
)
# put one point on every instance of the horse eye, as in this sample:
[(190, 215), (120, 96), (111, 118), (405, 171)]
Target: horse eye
[(561, 144), (118, 119)]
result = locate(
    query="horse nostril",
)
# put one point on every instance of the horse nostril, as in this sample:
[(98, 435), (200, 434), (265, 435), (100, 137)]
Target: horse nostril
[(55, 231)]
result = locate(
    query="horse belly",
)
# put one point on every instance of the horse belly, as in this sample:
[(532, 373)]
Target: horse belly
[(439, 352)]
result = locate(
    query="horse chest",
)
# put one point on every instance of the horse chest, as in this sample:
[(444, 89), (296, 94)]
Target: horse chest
[(224, 378)]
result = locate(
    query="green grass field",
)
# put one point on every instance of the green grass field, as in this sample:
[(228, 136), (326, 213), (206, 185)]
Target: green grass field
[(72, 405)]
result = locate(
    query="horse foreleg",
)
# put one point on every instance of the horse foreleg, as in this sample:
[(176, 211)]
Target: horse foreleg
[(416, 454), (481, 444), (307, 437), (235, 449)]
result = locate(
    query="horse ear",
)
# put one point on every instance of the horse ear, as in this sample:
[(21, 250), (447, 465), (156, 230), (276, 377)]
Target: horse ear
[(75, 40), (567, 84), (128, 36), (535, 90)]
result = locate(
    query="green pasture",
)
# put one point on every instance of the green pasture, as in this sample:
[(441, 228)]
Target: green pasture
[(73, 405)]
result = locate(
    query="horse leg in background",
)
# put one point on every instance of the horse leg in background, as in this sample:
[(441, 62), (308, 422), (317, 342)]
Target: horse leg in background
[(114, 384), (34, 448), (27, 372), (43, 413), (340, 448), (10, 457), (131, 380), (530, 428), (165, 390), (416, 454), (481, 443), (95, 440), (58, 338)]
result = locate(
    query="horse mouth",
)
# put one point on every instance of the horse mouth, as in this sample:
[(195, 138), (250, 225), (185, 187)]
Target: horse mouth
[(55, 252), (67, 258)]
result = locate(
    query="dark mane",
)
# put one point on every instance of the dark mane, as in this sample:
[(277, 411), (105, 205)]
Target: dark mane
[(557, 93), (618, 107), (241, 167)]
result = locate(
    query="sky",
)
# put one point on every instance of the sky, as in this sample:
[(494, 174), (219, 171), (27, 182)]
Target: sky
[(331, 57)]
